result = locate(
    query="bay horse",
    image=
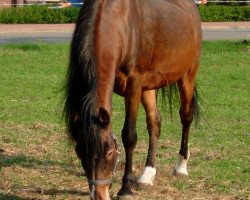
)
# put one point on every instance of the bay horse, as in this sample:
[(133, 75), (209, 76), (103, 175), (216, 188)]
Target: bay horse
[(132, 48)]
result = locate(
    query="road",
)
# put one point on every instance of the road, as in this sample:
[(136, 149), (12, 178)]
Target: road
[(63, 32), (234, 34), (34, 37)]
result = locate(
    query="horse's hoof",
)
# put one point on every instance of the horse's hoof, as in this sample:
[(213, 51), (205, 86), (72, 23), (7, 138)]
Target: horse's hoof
[(124, 197), (125, 194), (181, 166), (147, 176), (180, 174)]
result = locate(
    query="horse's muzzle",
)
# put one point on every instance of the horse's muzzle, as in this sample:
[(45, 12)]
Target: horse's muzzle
[(99, 193)]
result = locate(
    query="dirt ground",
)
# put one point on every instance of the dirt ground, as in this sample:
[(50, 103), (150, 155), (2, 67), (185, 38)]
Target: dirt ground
[(25, 178)]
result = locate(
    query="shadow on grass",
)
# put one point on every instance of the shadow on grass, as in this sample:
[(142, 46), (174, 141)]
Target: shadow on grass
[(30, 162), (12, 197), (57, 192), (26, 161), (50, 192)]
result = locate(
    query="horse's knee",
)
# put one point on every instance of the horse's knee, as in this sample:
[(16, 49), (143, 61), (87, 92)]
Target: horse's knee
[(129, 138), (154, 123)]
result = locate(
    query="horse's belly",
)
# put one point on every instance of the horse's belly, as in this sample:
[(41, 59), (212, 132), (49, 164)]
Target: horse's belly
[(156, 79), (166, 72)]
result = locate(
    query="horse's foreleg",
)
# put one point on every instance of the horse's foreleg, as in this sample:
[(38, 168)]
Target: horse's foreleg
[(186, 89), (154, 125), (129, 136)]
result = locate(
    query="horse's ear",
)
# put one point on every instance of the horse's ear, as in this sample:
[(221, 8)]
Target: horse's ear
[(103, 118)]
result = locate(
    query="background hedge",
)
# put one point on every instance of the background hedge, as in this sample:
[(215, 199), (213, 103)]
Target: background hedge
[(41, 14), (38, 15), (218, 13)]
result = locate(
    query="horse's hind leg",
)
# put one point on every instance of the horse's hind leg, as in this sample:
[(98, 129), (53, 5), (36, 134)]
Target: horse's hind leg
[(186, 88), (154, 125)]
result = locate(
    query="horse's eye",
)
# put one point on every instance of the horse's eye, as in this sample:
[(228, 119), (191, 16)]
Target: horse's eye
[(109, 154)]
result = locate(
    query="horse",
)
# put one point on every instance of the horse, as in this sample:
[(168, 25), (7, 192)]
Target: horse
[(132, 48)]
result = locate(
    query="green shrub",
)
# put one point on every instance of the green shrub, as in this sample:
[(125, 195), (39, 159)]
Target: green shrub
[(42, 15), (38, 15), (218, 13)]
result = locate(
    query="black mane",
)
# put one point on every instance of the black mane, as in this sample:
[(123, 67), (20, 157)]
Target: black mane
[(81, 97)]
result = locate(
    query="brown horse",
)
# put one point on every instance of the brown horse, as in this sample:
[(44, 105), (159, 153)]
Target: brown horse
[(132, 48)]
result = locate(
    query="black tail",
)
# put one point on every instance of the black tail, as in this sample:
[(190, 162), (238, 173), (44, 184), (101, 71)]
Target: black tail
[(196, 106), (171, 94)]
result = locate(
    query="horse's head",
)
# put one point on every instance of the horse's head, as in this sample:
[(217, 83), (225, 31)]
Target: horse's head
[(98, 151)]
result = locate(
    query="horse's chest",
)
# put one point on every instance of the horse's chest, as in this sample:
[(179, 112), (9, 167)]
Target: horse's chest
[(120, 83)]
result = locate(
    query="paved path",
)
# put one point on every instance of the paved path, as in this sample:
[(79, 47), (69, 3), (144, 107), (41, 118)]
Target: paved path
[(29, 28), (63, 32), (226, 25), (226, 30)]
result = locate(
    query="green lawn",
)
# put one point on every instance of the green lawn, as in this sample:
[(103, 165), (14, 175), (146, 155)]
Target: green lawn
[(38, 162)]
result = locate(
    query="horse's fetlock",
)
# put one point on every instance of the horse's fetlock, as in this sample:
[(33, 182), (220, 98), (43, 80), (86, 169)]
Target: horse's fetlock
[(130, 177)]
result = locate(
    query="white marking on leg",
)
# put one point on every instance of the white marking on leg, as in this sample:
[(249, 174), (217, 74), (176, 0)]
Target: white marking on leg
[(147, 176), (181, 165)]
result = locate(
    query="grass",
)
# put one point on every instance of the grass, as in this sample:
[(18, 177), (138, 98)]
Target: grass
[(37, 161)]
